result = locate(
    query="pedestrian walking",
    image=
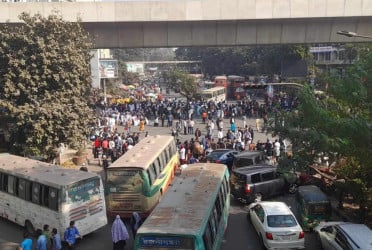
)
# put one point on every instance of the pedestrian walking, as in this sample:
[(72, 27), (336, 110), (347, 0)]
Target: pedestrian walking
[(56, 240), (47, 236), (70, 235), (26, 243), (135, 223), (119, 234), (41, 243)]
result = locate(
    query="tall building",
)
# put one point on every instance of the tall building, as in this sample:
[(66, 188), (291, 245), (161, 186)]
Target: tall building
[(331, 58)]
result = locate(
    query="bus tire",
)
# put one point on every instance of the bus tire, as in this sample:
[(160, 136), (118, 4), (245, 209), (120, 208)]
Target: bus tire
[(29, 228)]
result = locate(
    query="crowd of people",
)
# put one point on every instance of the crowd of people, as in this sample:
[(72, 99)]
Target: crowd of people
[(180, 117), (46, 240)]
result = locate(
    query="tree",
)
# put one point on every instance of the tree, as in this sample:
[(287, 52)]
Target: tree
[(337, 125), (243, 60), (185, 83), (45, 83)]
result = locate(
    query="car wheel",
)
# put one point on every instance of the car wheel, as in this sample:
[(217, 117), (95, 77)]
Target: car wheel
[(292, 189), (257, 197)]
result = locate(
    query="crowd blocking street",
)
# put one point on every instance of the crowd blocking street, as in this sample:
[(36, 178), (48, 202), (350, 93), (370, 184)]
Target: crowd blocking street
[(198, 131), (199, 127)]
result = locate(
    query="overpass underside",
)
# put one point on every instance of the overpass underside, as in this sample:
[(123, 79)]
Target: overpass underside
[(226, 33)]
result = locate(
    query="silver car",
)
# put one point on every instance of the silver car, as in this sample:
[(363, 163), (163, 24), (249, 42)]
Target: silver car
[(338, 235)]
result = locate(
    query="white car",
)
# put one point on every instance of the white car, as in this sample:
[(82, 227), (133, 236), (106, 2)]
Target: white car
[(276, 225), (338, 235)]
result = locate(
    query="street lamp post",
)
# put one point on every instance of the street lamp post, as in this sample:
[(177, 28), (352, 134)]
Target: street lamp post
[(352, 34)]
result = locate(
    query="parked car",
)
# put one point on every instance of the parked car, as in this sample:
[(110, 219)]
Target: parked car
[(223, 156), (249, 158), (276, 225), (313, 206), (337, 235), (256, 182)]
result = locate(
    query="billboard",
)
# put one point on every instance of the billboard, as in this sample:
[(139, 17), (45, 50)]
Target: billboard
[(108, 68)]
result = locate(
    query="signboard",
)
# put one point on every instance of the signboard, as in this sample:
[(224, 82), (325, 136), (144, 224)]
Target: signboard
[(108, 68), (166, 242)]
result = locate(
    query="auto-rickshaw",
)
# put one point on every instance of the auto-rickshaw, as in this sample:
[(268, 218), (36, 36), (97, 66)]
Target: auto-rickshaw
[(313, 206)]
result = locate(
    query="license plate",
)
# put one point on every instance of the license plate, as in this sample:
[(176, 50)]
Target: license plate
[(286, 237)]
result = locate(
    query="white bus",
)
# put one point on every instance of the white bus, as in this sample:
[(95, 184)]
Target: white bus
[(34, 193), (216, 94)]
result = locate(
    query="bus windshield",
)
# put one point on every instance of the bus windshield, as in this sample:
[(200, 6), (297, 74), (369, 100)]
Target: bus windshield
[(128, 180)]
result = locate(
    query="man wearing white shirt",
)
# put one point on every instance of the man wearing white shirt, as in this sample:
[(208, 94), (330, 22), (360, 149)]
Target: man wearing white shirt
[(183, 155)]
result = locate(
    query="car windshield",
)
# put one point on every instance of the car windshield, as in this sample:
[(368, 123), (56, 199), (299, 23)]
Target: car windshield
[(281, 221), (215, 155)]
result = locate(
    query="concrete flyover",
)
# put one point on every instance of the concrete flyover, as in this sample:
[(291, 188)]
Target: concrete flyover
[(141, 24)]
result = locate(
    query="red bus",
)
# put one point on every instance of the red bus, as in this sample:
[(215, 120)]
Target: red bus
[(236, 89), (220, 81)]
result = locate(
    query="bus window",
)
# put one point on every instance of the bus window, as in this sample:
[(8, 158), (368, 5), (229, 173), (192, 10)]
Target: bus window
[(207, 237), (36, 193), (22, 189), (156, 166), (167, 154), (162, 161), (4, 184), (152, 175), (53, 198), (2, 180), (45, 196), (11, 182), (218, 206), (121, 181)]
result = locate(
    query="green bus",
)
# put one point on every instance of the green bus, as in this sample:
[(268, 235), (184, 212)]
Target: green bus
[(193, 213), (138, 179)]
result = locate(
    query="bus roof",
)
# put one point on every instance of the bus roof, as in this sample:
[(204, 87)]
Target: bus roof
[(212, 89), (144, 152), (220, 78), (43, 172), (188, 201)]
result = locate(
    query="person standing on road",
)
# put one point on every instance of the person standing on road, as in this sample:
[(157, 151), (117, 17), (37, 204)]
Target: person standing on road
[(183, 155), (119, 234), (70, 235), (142, 125), (41, 243), (135, 223), (56, 239), (26, 243), (47, 236)]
